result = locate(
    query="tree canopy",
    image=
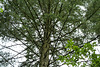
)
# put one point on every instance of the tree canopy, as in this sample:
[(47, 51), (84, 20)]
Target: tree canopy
[(45, 26)]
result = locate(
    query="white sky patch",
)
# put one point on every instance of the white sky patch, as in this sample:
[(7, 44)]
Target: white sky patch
[(17, 48), (64, 66), (97, 49), (82, 7), (1, 6)]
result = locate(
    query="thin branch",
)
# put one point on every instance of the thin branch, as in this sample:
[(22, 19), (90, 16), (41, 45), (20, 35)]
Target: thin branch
[(24, 43), (56, 7), (80, 47), (7, 60), (27, 31), (11, 46), (93, 13), (37, 17)]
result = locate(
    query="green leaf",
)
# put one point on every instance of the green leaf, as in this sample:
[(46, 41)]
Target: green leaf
[(1, 10)]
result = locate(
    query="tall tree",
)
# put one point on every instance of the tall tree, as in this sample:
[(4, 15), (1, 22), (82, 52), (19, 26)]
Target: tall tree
[(44, 26)]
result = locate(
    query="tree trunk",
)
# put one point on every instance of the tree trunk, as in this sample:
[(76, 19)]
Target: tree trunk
[(44, 59)]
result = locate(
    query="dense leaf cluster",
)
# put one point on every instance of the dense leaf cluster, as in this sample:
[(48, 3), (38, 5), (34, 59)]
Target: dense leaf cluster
[(79, 54)]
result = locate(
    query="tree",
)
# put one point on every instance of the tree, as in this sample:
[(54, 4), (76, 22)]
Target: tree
[(4, 59), (44, 26)]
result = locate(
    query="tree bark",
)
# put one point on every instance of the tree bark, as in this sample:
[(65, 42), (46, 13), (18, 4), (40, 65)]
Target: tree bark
[(44, 59)]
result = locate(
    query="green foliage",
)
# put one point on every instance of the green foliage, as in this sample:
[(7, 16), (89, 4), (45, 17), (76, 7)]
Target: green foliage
[(36, 22), (1, 10), (78, 53), (95, 60), (94, 12), (1, 0)]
